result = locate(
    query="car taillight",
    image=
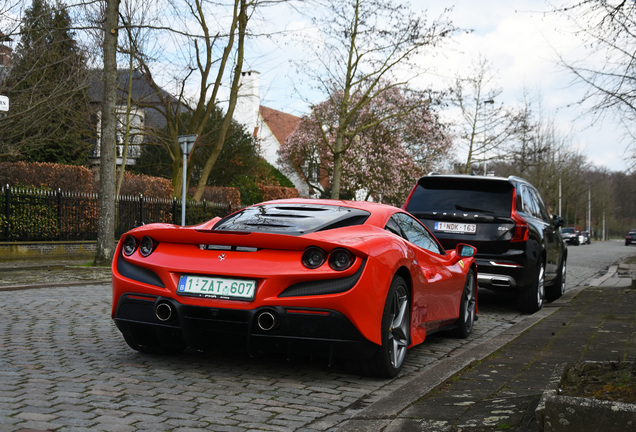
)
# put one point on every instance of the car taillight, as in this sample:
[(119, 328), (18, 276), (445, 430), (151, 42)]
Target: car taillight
[(340, 259), (521, 231), (147, 246), (129, 245), (314, 257)]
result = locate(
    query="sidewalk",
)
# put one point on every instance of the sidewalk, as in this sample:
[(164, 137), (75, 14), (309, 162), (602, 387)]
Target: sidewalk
[(505, 377), (26, 274)]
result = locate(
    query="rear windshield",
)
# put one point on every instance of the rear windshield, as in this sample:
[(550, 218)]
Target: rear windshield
[(443, 194), (567, 230), (292, 219)]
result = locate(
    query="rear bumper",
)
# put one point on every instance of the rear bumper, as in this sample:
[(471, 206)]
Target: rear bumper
[(275, 328), (502, 275)]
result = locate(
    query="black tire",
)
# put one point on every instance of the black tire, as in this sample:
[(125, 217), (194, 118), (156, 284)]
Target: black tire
[(467, 308), (396, 333), (557, 289), (531, 298)]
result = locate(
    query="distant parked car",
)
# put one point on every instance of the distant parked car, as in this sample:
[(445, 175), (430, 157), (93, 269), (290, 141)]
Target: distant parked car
[(630, 237), (571, 236), (519, 247), (585, 238)]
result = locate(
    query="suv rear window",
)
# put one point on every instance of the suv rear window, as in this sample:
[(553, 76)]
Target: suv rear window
[(488, 197)]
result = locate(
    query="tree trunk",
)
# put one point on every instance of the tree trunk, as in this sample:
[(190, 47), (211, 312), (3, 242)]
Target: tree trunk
[(337, 169), (242, 19), (106, 222), (177, 177)]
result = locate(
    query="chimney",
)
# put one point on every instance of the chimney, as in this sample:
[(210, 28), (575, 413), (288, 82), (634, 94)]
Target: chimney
[(248, 101)]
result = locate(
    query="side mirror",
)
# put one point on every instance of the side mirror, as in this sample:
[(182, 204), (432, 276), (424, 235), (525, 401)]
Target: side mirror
[(557, 221), (465, 251)]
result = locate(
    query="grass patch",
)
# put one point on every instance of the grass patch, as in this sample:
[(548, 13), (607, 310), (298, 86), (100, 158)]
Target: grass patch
[(630, 260)]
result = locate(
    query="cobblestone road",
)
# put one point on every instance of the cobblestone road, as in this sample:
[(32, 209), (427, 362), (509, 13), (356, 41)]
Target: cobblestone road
[(64, 366)]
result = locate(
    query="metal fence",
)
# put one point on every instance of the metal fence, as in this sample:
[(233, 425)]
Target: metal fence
[(45, 215)]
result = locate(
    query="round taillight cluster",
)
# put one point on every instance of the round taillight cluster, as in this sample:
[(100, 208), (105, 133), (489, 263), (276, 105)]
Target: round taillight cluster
[(339, 259), (314, 257), (129, 246), (146, 246)]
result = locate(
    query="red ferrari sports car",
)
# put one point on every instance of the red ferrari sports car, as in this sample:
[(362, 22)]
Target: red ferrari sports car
[(356, 280)]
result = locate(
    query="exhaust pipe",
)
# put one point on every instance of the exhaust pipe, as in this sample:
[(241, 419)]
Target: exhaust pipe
[(267, 321), (164, 311)]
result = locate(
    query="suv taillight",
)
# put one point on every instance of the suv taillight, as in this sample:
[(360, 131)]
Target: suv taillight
[(521, 231)]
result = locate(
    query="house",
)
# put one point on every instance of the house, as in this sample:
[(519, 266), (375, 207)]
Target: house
[(268, 126), (143, 116)]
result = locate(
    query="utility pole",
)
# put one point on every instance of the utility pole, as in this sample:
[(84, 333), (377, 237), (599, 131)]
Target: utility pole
[(589, 209), (560, 211)]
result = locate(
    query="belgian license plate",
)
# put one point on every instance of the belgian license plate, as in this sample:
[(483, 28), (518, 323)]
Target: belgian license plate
[(458, 228), (213, 287)]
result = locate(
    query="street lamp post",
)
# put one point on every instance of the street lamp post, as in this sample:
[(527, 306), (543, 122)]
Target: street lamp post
[(186, 142), (486, 102)]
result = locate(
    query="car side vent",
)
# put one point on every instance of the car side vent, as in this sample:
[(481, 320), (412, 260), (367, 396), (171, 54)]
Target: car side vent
[(323, 287), (136, 273)]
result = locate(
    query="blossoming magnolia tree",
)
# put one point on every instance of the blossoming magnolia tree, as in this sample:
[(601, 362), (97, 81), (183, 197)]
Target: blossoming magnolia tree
[(392, 141)]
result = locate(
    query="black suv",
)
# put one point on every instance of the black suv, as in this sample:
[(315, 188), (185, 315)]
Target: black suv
[(519, 247)]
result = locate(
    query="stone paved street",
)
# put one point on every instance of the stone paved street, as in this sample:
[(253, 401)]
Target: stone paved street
[(64, 366), (63, 363)]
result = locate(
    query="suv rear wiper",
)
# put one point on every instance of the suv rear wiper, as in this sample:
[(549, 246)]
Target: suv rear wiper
[(462, 208)]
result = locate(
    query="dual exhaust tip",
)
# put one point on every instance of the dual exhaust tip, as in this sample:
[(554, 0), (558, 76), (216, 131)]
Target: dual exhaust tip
[(165, 311), (266, 320)]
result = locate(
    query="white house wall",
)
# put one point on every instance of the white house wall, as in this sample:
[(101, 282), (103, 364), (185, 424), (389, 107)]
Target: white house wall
[(247, 112)]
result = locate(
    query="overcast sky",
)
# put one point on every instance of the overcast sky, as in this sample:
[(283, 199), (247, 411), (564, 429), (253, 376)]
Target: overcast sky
[(518, 37)]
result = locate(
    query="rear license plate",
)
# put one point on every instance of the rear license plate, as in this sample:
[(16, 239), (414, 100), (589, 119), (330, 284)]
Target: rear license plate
[(222, 288), (458, 228)]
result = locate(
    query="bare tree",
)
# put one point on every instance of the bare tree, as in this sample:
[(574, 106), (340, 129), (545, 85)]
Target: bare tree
[(607, 30), (484, 124), (106, 221), (362, 50), (207, 53), (544, 156), (135, 40)]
